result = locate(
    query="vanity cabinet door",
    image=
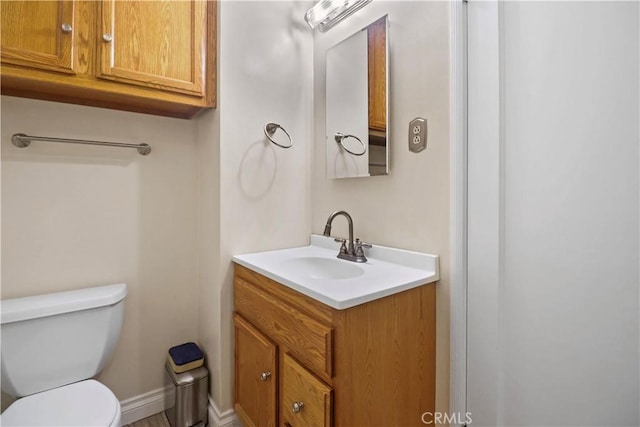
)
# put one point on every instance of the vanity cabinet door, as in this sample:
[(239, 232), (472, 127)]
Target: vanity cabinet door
[(157, 44), (38, 34), (256, 376), (305, 401)]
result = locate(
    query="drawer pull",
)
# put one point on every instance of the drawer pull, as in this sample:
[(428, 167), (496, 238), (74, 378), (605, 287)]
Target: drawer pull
[(265, 376), (297, 407), (67, 28), (108, 38)]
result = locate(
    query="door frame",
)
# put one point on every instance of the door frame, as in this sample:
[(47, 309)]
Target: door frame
[(458, 211), (482, 23)]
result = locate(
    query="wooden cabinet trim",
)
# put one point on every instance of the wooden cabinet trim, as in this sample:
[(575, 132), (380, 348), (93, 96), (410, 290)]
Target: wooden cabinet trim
[(211, 70), (89, 92)]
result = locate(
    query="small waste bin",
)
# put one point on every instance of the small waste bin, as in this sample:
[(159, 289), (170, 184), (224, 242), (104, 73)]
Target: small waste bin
[(190, 405)]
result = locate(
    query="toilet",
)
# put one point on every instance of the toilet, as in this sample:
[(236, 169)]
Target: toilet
[(52, 345)]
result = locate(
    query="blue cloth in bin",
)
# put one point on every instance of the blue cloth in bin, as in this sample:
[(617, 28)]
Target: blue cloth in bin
[(185, 353)]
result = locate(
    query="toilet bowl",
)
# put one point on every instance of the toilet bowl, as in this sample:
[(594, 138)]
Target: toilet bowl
[(82, 404), (51, 346)]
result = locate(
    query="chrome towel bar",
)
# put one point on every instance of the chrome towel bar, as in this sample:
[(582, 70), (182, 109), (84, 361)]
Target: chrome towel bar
[(22, 140)]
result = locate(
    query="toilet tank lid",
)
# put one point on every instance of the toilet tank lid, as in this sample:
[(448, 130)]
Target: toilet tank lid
[(19, 309)]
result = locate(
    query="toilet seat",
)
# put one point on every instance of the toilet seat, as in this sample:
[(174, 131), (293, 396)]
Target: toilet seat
[(85, 403)]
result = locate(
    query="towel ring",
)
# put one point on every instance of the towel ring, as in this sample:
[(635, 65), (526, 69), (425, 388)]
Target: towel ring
[(341, 137), (271, 128)]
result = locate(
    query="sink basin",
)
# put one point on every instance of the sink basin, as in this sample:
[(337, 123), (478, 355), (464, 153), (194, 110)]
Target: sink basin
[(323, 268), (316, 272)]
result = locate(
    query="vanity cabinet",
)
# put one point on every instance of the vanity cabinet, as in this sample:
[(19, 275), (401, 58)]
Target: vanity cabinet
[(299, 362), (155, 57)]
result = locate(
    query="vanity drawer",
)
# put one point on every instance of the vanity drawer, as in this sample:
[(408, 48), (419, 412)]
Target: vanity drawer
[(309, 340), (305, 401)]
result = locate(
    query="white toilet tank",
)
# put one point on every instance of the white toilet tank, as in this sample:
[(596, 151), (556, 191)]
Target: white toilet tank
[(56, 339)]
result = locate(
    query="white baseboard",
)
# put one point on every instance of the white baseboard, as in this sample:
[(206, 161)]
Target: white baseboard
[(221, 419), (147, 404), (155, 401)]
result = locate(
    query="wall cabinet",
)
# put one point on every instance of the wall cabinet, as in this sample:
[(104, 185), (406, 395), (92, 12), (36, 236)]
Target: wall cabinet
[(377, 60), (154, 57), (299, 362)]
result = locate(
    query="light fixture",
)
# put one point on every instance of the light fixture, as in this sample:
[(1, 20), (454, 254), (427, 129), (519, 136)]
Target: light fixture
[(327, 13)]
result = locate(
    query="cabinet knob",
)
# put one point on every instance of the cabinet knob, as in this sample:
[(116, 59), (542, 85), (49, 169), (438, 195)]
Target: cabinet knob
[(265, 376), (107, 37), (297, 407), (66, 28)]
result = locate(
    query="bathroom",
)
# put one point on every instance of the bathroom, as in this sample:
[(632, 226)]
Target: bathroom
[(168, 224)]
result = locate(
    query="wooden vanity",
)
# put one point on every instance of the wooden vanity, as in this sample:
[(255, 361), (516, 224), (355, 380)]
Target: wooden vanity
[(299, 362)]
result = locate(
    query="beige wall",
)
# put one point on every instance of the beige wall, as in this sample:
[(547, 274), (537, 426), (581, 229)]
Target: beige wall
[(209, 319), (79, 216), (265, 75), (409, 208)]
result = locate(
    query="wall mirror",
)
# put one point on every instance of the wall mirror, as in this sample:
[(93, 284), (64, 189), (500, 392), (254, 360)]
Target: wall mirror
[(357, 128)]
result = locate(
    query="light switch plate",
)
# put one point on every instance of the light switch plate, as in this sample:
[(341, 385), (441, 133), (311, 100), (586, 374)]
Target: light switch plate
[(417, 135)]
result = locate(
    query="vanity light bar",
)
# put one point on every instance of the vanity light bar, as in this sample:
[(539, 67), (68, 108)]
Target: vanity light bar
[(327, 13)]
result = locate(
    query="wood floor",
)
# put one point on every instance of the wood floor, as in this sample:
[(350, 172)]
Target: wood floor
[(157, 420)]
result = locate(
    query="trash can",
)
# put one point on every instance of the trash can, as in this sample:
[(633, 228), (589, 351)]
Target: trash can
[(190, 404)]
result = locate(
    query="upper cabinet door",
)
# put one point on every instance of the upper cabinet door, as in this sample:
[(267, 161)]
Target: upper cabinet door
[(377, 47), (38, 34), (159, 44)]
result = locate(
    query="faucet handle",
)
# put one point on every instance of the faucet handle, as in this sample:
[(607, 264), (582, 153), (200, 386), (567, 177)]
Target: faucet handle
[(363, 244), (359, 245), (343, 246)]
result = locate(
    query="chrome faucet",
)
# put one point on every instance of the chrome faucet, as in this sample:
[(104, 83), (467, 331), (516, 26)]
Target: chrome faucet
[(354, 250)]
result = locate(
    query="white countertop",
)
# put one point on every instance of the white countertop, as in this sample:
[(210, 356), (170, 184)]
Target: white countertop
[(387, 271)]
